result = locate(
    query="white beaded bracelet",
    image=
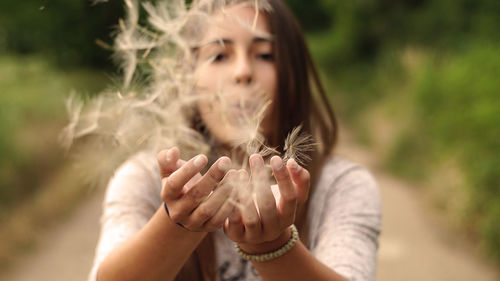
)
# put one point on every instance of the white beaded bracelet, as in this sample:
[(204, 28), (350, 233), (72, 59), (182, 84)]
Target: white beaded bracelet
[(274, 254)]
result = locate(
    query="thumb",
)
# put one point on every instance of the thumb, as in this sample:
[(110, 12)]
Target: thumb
[(168, 161)]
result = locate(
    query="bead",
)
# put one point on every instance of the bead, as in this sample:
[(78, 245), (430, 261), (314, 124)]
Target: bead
[(271, 255)]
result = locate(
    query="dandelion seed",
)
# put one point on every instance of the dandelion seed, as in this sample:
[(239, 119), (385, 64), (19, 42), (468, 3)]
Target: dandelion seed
[(154, 104), (256, 17), (298, 146)]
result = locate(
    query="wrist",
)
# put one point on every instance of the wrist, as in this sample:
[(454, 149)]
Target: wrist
[(270, 255), (179, 228), (268, 246)]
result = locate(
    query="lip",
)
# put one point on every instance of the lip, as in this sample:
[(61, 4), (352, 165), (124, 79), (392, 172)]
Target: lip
[(237, 115), (247, 109)]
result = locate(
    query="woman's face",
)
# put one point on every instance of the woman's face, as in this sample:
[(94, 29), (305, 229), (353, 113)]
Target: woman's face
[(235, 72)]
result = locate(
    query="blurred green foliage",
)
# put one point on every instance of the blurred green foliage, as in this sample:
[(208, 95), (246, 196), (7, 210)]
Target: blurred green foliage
[(459, 108), (364, 29), (64, 30), (451, 89), (359, 29), (31, 116), (456, 112)]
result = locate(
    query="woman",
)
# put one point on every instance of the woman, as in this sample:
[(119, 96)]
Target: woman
[(189, 232)]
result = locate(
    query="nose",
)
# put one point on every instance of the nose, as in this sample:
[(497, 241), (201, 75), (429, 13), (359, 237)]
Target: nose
[(243, 72)]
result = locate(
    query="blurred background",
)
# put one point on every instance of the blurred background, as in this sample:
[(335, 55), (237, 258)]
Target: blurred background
[(415, 84)]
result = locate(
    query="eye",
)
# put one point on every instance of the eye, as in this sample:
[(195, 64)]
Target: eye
[(266, 56), (219, 57)]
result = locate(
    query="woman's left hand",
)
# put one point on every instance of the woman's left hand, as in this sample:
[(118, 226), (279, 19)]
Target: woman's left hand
[(261, 223)]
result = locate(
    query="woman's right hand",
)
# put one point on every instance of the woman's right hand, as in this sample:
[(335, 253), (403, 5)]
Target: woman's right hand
[(198, 202)]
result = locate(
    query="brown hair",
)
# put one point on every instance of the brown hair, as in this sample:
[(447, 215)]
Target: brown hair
[(301, 100)]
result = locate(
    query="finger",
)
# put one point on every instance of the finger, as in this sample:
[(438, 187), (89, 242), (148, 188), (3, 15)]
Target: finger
[(240, 192), (264, 197), (176, 181), (204, 214), (246, 207), (228, 205), (234, 230), (301, 179), (205, 185), (233, 226), (189, 205), (181, 162), (167, 161), (287, 204), (207, 209)]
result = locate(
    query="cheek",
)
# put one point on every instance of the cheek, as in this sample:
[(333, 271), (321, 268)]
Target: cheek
[(269, 83), (202, 78), (217, 123), (268, 79), (210, 80)]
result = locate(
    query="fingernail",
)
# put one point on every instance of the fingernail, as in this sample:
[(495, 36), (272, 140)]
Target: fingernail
[(169, 155), (243, 175), (199, 161), (256, 161), (224, 164), (276, 163), (296, 167)]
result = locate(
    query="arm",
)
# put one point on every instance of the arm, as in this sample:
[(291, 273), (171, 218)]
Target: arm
[(159, 250), (347, 214), (266, 229), (297, 264), (345, 238)]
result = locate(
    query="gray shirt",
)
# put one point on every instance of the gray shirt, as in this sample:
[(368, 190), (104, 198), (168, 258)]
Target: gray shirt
[(344, 218)]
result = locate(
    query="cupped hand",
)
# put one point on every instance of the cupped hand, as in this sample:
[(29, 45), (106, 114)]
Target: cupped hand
[(197, 202), (261, 221)]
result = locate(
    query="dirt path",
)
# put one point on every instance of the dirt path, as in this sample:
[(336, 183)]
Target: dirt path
[(65, 252), (412, 247)]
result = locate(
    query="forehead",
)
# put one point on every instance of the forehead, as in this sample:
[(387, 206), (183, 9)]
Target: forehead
[(238, 21)]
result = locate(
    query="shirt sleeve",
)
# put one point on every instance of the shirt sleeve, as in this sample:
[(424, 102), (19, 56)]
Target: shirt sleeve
[(132, 197), (346, 238)]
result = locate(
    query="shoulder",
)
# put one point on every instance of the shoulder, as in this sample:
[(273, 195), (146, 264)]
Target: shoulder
[(132, 197), (348, 182), (339, 174), (344, 190), (142, 164), (136, 179)]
